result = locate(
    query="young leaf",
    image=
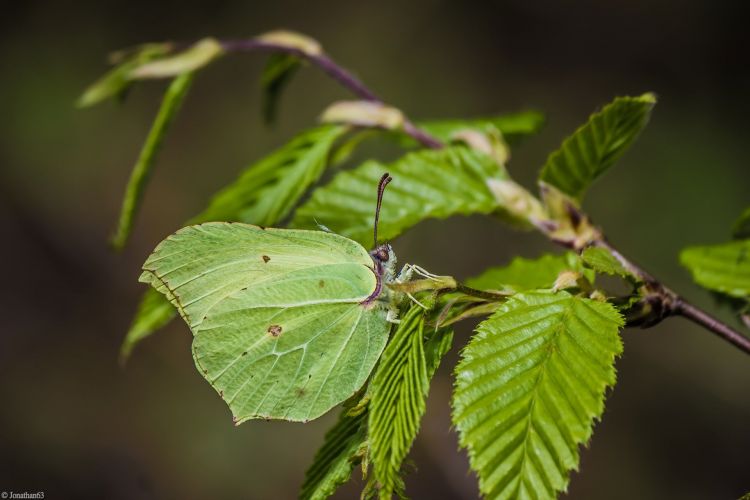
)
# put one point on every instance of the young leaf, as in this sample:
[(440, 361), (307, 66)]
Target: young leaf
[(724, 268), (603, 262), (267, 191), (293, 40), (197, 56), (529, 274), (426, 184), (398, 393), (264, 194), (363, 114), (511, 126), (284, 321), (142, 170), (437, 345), (117, 80), (334, 462), (279, 70), (595, 146), (153, 313), (741, 228), (529, 386)]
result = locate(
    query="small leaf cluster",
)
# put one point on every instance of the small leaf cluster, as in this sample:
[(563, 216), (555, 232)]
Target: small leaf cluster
[(724, 268), (533, 377)]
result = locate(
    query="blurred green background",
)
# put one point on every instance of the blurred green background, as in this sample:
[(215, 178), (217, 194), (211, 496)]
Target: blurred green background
[(76, 425)]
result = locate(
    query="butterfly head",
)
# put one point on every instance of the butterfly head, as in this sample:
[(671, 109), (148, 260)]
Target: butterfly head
[(382, 255)]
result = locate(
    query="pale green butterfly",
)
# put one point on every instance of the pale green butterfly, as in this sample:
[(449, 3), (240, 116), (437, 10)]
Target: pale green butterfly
[(287, 323)]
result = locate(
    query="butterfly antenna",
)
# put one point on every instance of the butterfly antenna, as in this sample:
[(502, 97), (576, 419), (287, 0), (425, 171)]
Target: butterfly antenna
[(381, 187)]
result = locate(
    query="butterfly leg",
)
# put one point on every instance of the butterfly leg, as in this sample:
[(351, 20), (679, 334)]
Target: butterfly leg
[(392, 315)]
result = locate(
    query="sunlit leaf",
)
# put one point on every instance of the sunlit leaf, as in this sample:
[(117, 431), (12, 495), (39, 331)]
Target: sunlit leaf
[(334, 462), (724, 268), (398, 394), (426, 184), (529, 386), (597, 145), (267, 191), (171, 103), (603, 262), (529, 274)]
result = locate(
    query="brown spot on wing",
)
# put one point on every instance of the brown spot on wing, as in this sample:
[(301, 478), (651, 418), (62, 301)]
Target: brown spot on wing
[(274, 330)]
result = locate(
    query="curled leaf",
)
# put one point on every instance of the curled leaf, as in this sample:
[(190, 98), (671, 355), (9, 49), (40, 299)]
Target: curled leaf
[(364, 114), (197, 56), (117, 80), (293, 40)]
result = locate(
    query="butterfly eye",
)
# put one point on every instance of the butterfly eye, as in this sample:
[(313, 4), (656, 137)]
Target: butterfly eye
[(382, 255)]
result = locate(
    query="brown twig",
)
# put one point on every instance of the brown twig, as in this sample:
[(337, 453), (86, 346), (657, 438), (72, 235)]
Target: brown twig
[(335, 71), (672, 304), (667, 302)]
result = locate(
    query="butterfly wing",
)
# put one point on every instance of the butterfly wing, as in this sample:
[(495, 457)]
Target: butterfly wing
[(280, 328)]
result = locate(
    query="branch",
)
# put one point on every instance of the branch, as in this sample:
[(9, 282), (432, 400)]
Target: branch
[(666, 302), (672, 304), (696, 315), (332, 69)]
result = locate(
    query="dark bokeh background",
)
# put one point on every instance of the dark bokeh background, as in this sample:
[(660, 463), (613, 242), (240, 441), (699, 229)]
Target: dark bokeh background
[(75, 425)]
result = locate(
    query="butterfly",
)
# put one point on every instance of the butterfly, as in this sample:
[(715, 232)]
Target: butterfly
[(286, 323)]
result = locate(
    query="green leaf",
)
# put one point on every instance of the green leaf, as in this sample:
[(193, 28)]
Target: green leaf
[(436, 345), (529, 274), (723, 268), (398, 398), (278, 72), (511, 126), (264, 194), (284, 321), (267, 191), (171, 103), (117, 80), (741, 228), (153, 313), (603, 262), (426, 184), (195, 57), (529, 386), (334, 462), (595, 146)]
